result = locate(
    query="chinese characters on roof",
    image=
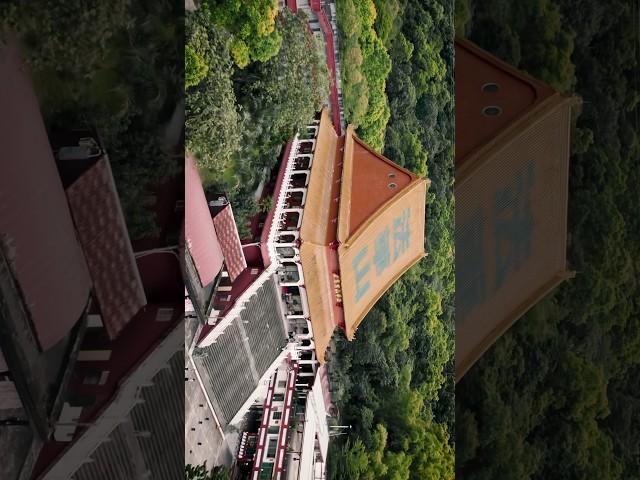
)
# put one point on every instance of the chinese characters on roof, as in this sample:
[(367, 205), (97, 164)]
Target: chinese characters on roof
[(509, 247), (387, 246)]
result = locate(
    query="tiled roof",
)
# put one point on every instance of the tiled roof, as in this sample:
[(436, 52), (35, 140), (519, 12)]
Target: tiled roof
[(200, 235), (380, 227), (104, 238), (227, 233)]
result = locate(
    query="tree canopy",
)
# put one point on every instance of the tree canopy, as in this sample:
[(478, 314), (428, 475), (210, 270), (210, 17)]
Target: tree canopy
[(238, 119), (365, 67), (252, 25), (394, 382), (114, 70)]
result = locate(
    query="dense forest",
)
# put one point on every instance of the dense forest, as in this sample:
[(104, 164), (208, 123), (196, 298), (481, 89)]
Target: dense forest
[(246, 96), (558, 396), (113, 69), (394, 383)]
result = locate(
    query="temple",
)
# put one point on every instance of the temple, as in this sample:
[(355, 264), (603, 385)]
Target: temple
[(512, 174), (345, 223)]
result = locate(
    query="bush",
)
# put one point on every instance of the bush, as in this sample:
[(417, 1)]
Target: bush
[(194, 67), (252, 23)]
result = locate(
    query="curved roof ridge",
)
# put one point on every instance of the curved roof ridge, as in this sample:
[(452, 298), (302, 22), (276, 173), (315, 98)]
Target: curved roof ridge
[(346, 222)]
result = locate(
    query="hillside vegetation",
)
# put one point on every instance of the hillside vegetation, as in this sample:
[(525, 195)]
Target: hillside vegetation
[(394, 383), (239, 115), (111, 66)]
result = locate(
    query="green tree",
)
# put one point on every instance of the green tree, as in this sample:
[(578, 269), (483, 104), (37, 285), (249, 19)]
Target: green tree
[(279, 97), (201, 472), (366, 66), (194, 67), (253, 26), (212, 121)]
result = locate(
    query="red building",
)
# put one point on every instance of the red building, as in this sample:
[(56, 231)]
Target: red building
[(324, 27), (96, 324)]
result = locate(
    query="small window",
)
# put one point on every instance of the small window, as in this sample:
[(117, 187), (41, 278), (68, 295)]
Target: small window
[(94, 320), (287, 239), (272, 448), (273, 430), (277, 415), (282, 384), (254, 271), (490, 87), (392, 186), (164, 314), (96, 377), (392, 175), (492, 111), (286, 252), (278, 397)]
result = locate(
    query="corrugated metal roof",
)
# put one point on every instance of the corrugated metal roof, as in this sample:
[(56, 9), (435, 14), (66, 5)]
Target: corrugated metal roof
[(227, 233), (234, 364), (162, 415), (151, 438), (200, 235), (35, 222), (95, 206)]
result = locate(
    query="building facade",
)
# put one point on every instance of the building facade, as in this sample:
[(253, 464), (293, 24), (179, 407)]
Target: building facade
[(89, 319), (291, 439)]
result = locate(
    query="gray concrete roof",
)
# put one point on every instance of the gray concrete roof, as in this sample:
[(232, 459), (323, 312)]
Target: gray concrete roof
[(234, 364)]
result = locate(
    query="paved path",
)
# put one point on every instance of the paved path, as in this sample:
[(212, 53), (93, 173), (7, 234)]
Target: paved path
[(203, 439)]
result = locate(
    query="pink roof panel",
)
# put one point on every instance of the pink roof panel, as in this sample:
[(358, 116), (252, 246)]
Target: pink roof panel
[(200, 235), (96, 209), (227, 233), (36, 229)]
